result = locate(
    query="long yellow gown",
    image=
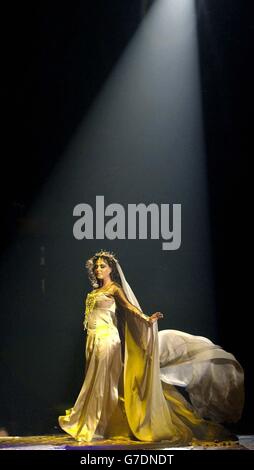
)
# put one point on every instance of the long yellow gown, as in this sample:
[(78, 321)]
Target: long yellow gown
[(131, 373)]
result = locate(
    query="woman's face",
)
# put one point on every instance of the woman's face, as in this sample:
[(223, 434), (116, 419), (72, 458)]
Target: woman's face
[(101, 269)]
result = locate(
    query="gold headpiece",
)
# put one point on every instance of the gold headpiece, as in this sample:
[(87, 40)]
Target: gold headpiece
[(107, 254)]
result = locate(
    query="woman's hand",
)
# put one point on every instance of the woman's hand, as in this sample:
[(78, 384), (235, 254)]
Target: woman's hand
[(154, 317)]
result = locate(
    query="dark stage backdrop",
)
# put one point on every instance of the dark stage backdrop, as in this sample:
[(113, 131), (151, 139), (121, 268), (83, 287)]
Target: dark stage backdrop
[(56, 59)]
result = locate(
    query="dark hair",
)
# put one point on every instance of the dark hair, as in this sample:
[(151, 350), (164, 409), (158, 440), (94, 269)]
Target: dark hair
[(110, 260)]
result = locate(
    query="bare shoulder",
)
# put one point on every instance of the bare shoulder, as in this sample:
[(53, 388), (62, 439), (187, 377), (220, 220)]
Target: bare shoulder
[(116, 286)]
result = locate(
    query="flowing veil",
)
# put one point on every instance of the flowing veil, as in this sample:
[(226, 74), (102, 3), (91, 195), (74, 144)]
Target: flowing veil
[(157, 362), (126, 287)]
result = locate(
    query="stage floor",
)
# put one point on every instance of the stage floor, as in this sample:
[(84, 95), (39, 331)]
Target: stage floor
[(64, 442)]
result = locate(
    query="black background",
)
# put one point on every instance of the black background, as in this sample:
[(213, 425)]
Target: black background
[(44, 98)]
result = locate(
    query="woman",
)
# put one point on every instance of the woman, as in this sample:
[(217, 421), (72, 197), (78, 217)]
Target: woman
[(131, 372)]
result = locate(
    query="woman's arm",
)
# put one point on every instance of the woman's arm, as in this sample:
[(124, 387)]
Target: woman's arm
[(122, 300)]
